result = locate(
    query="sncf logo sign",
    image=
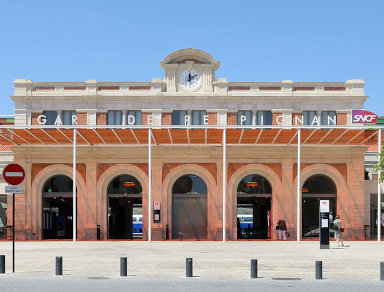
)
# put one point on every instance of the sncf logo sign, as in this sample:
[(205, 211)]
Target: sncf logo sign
[(363, 117)]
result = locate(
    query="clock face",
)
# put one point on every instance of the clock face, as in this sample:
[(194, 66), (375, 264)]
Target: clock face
[(190, 80)]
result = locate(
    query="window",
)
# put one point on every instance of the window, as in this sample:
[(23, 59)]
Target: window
[(328, 118), (244, 118), (264, 118), (114, 118), (198, 118), (134, 118), (178, 117), (67, 117), (309, 118), (50, 116)]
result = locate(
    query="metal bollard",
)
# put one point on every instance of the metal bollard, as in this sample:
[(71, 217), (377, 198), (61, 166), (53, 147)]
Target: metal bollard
[(2, 264), (319, 270), (59, 266), (253, 268), (189, 270), (382, 271), (123, 267)]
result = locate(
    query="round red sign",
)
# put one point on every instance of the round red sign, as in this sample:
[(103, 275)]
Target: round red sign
[(13, 174)]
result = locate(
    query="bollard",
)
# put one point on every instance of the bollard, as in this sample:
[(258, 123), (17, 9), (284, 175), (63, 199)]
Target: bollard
[(189, 271), (123, 267), (59, 266), (2, 264), (253, 268), (382, 271), (319, 270)]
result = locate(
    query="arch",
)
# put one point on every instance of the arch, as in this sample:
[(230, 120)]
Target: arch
[(269, 174), (101, 193), (331, 173), (187, 54), (206, 176), (37, 190), (189, 208)]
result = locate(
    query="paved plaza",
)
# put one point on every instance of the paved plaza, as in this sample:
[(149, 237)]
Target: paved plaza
[(160, 263)]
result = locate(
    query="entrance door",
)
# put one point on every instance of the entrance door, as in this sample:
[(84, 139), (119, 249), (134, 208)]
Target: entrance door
[(316, 188), (189, 208), (58, 208), (254, 197), (125, 209)]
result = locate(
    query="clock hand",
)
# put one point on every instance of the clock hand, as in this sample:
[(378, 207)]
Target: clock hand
[(189, 77), (193, 76)]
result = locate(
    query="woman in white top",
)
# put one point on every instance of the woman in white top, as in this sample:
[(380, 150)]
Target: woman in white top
[(339, 231)]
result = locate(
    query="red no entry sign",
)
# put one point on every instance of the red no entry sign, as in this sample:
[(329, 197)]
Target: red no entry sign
[(14, 174)]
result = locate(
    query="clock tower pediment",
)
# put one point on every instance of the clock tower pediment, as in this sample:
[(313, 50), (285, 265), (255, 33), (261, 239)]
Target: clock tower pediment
[(189, 70)]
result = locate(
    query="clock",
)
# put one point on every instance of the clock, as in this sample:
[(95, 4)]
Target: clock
[(190, 80)]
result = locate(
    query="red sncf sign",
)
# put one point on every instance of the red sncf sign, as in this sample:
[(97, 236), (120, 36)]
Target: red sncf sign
[(14, 174)]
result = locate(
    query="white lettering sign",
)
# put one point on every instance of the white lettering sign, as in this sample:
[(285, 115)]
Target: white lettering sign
[(206, 120), (14, 190)]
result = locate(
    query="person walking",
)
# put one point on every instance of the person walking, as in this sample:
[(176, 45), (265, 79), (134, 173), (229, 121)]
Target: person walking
[(339, 229), (282, 229)]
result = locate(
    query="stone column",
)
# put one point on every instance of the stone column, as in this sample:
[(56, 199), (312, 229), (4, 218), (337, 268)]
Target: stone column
[(90, 202), (158, 229)]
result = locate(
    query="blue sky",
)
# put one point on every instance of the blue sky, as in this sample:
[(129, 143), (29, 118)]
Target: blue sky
[(254, 41)]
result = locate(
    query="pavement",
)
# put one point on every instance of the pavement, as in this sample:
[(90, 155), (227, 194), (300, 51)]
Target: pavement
[(161, 265)]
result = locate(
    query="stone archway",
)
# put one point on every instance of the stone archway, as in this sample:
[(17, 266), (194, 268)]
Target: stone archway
[(36, 196), (213, 201), (101, 191), (337, 178), (277, 193)]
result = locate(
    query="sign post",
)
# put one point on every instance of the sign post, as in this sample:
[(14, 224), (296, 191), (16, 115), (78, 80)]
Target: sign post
[(14, 175), (324, 224)]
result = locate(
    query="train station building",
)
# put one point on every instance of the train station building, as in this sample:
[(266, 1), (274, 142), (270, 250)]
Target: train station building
[(191, 157)]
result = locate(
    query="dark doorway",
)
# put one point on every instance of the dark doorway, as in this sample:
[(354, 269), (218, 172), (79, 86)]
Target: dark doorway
[(125, 209), (58, 208), (3, 216), (254, 201), (316, 188), (189, 208)]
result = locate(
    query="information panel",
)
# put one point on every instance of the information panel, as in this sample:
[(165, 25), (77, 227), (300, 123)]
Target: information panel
[(324, 224)]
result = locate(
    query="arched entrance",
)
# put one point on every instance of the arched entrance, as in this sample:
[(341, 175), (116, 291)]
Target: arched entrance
[(58, 208), (317, 187), (189, 208), (254, 196), (125, 208)]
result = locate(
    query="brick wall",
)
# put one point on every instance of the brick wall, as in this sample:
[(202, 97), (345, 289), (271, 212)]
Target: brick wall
[(166, 118), (212, 119), (232, 118), (342, 119), (34, 118), (82, 118), (101, 118)]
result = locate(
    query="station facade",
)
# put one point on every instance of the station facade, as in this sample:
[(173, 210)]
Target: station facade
[(188, 110)]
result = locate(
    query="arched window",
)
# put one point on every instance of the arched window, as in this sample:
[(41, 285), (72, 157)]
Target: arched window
[(58, 184), (319, 184), (254, 184), (124, 184), (189, 184)]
